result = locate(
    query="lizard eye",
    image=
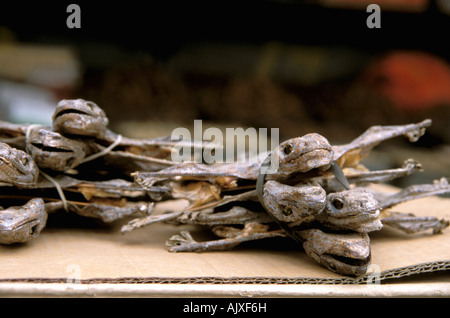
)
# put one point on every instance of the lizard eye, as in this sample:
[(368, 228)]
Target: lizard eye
[(91, 105), (24, 161), (287, 149), (337, 204), (287, 211)]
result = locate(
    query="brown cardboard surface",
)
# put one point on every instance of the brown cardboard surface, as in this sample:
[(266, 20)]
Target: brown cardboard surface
[(99, 254)]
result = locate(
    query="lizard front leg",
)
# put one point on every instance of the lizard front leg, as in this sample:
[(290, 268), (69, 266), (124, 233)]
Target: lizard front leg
[(350, 154), (361, 178)]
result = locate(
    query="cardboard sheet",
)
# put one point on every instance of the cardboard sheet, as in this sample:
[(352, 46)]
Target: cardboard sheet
[(98, 254)]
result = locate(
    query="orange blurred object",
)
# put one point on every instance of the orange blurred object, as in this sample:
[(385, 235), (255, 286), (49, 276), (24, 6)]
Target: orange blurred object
[(411, 80)]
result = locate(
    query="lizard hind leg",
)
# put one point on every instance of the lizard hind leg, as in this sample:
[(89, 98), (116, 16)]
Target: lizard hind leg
[(184, 242), (410, 224), (413, 192)]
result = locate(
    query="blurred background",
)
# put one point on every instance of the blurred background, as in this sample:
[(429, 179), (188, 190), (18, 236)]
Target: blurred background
[(300, 66)]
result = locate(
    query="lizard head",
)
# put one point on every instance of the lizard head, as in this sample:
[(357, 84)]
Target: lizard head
[(18, 224), (79, 117), (293, 204), (302, 154), (17, 167), (343, 253), (51, 150), (355, 209)]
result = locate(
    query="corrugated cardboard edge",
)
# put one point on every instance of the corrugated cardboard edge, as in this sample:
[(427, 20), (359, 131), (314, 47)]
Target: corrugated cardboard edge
[(365, 279)]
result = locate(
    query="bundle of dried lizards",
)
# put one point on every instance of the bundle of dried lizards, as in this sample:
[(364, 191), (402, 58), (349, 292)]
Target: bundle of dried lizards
[(78, 165), (316, 196)]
